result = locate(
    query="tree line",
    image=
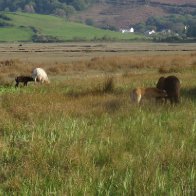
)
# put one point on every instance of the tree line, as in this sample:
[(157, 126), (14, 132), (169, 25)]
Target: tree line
[(57, 7), (174, 24)]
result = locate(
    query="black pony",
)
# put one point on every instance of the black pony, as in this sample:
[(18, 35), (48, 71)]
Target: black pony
[(23, 79)]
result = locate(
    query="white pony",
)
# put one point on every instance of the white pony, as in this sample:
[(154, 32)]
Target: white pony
[(39, 75)]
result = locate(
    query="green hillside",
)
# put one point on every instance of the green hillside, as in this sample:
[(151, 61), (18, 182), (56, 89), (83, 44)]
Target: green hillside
[(45, 28), (11, 34)]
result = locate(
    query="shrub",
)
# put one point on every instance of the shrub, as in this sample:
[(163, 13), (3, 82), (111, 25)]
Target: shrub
[(4, 17), (89, 22), (4, 24), (44, 38)]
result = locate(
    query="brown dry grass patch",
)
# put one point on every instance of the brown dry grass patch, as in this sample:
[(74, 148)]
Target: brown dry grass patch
[(9, 69)]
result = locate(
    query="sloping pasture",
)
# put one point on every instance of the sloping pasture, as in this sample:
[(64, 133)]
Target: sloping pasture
[(27, 27)]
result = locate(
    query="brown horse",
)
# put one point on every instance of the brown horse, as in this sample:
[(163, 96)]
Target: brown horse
[(171, 85), (138, 94)]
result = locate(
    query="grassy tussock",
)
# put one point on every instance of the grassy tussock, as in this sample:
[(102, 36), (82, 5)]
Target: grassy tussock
[(84, 136)]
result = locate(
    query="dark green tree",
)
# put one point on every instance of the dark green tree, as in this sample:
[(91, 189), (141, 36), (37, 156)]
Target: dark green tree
[(191, 32)]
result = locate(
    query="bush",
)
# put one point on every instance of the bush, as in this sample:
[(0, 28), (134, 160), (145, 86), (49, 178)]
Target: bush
[(4, 24), (4, 17), (44, 38), (89, 22)]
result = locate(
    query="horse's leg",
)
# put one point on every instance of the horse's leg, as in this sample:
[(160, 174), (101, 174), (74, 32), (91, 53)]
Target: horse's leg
[(35, 80), (139, 99), (17, 83)]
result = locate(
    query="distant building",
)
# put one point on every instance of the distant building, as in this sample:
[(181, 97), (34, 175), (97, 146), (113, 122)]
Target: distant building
[(166, 31), (150, 32), (131, 30)]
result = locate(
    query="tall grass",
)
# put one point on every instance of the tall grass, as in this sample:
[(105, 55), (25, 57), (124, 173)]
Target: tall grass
[(125, 65), (83, 136)]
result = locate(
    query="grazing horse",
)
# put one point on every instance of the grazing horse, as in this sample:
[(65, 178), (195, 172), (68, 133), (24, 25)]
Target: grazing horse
[(39, 75), (138, 94), (171, 85), (23, 79)]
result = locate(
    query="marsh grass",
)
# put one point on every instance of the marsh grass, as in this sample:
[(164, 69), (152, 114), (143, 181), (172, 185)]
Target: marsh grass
[(83, 136)]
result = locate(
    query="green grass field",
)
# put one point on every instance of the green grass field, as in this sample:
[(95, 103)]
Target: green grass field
[(12, 34), (25, 26), (84, 136)]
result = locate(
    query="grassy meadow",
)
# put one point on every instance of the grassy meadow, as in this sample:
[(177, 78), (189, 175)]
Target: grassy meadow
[(25, 26), (82, 135)]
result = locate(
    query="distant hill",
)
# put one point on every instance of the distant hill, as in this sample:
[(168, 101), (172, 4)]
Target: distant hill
[(103, 13), (44, 28), (86, 19), (175, 2), (126, 13)]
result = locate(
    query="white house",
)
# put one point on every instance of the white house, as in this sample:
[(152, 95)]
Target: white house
[(131, 30), (150, 32)]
